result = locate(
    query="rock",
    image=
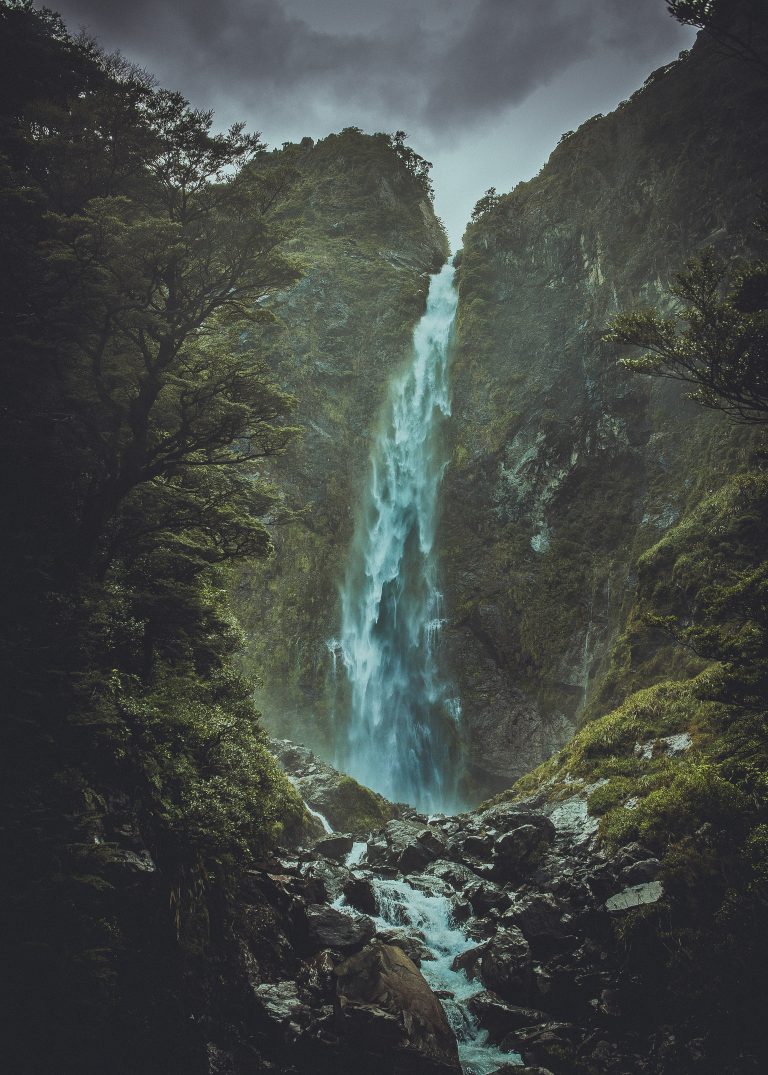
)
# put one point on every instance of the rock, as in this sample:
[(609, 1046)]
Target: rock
[(219, 1061), (411, 846), (506, 966), (517, 852), (629, 854), (499, 1018), (462, 910), (539, 916), (412, 944), (280, 1003), (454, 874), (316, 974), (515, 1069), (639, 872), (331, 875), (359, 893), (334, 847), (484, 896), (637, 896), (469, 961), (545, 1043), (506, 817), (384, 1005), (328, 928)]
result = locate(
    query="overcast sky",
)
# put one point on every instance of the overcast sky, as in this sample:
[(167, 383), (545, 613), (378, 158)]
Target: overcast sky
[(484, 88)]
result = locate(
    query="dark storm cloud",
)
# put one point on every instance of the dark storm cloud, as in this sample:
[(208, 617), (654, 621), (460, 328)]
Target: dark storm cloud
[(442, 64)]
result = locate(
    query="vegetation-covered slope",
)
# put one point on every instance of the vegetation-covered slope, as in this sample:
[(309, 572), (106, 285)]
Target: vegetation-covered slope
[(366, 236), (572, 466)]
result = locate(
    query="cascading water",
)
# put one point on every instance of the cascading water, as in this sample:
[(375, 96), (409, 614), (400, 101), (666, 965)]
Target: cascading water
[(401, 735), (428, 915)]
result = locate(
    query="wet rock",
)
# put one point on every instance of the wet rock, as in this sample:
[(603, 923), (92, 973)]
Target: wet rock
[(640, 872), (334, 847), (462, 910), (280, 1003), (484, 896), (469, 961), (539, 916), (518, 851), (546, 1043), (454, 874), (385, 1006), (316, 974), (515, 1069), (219, 1061), (412, 847), (410, 942), (359, 893), (506, 965), (499, 1018), (331, 875), (328, 928), (636, 896)]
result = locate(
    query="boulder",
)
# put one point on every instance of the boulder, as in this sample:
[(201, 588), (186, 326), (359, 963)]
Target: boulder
[(280, 1003), (484, 896), (328, 928), (469, 961), (334, 847), (411, 943), (359, 893), (384, 1005), (636, 896), (316, 974), (506, 965), (412, 846), (518, 851), (331, 875), (454, 874), (638, 873), (499, 1018), (539, 917)]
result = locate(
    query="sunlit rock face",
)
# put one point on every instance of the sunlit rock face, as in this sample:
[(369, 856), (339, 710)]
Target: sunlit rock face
[(564, 466)]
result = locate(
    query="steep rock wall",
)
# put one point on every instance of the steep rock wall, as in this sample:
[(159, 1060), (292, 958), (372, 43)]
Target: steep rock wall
[(364, 231), (565, 466)]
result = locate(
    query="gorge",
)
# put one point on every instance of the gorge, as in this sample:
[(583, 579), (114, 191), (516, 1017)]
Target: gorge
[(385, 660)]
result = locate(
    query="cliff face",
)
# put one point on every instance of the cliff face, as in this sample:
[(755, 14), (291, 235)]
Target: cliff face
[(367, 239), (565, 466)]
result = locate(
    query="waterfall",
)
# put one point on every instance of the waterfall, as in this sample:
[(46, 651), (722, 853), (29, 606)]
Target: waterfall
[(401, 734)]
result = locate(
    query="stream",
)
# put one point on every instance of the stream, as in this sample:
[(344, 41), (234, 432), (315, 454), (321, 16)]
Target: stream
[(429, 916)]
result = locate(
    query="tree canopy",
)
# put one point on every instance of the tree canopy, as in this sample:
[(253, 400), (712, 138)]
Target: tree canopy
[(140, 249), (718, 343)]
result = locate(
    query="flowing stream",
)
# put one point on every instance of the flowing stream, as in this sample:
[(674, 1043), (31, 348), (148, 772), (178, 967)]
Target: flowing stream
[(401, 736), (429, 916)]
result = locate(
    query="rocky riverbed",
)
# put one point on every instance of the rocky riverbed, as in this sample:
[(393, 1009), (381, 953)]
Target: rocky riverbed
[(485, 942)]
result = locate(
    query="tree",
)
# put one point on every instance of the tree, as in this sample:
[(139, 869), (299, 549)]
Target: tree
[(734, 24), (486, 204), (718, 343)]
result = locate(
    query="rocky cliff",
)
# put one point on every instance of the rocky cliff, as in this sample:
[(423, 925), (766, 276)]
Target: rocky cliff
[(365, 234), (565, 466)]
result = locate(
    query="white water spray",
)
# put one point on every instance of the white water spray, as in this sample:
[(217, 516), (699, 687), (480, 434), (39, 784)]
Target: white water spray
[(401, 736)]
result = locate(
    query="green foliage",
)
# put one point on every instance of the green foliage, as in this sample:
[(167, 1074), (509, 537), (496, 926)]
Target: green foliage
[(723, 350), (139, 252), (485, 205)]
